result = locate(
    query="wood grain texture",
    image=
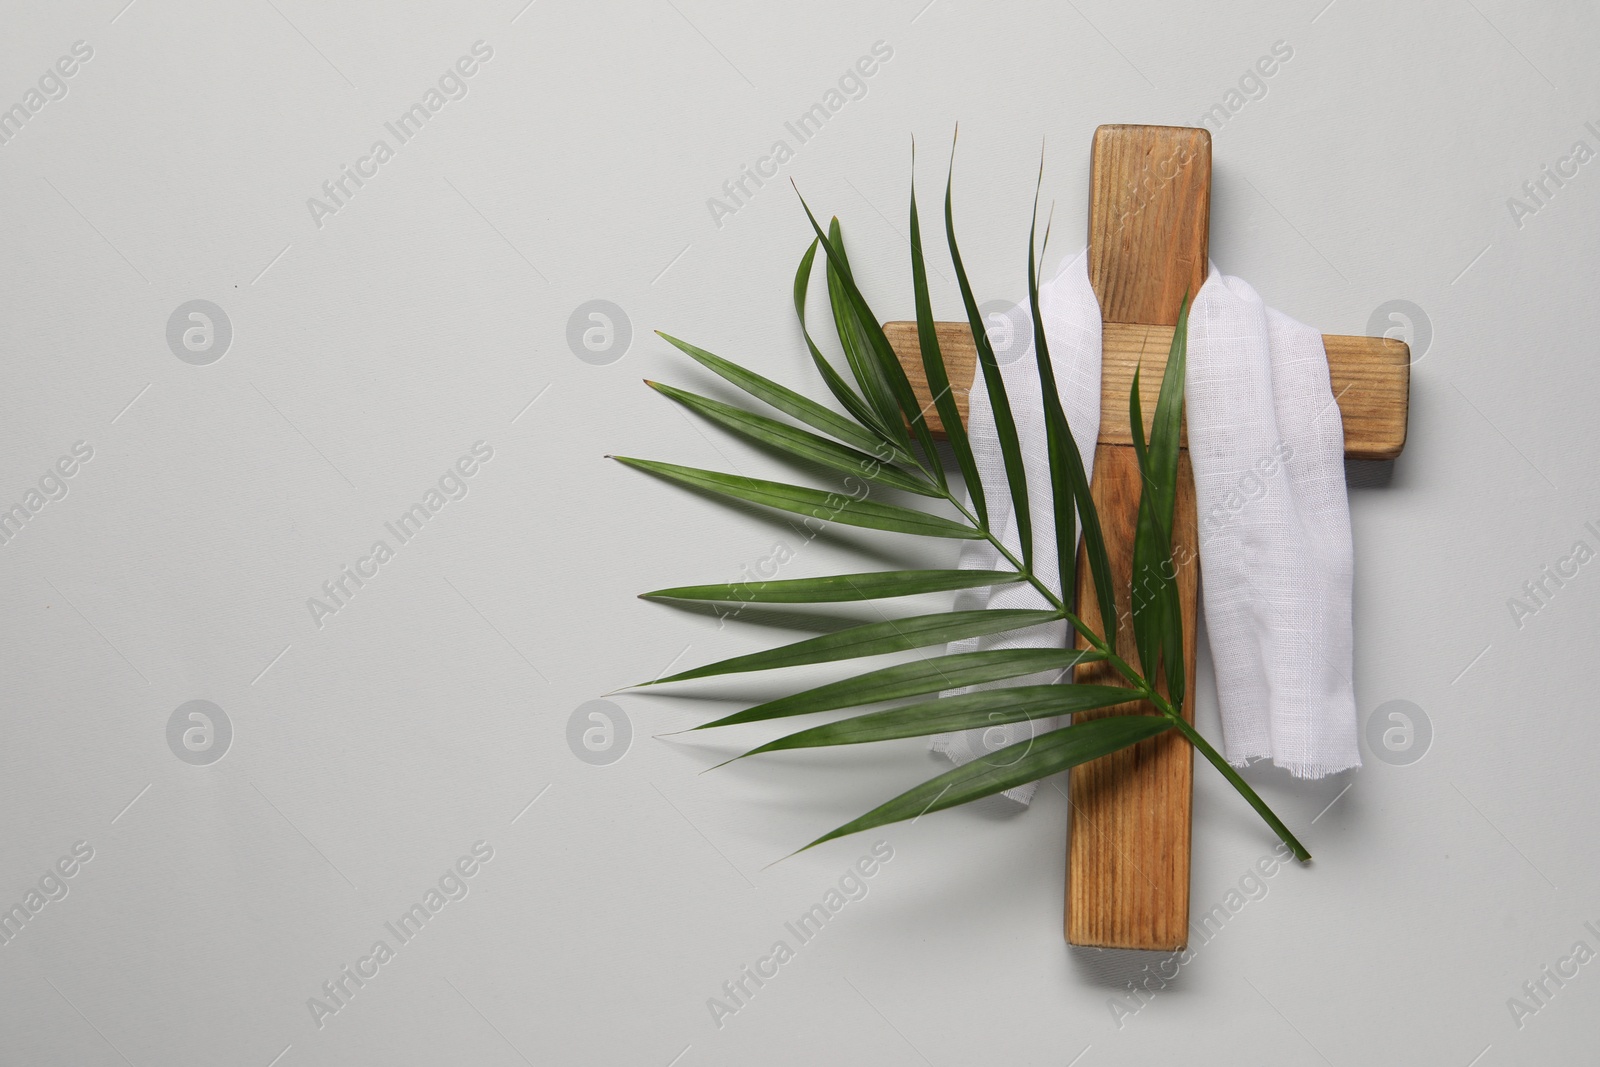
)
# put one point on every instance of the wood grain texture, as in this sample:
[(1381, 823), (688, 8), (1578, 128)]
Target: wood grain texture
[(1149, 219), (1370, 378), (1128, 851)]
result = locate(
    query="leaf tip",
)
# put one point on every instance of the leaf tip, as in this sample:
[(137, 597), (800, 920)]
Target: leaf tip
[(790, 856)]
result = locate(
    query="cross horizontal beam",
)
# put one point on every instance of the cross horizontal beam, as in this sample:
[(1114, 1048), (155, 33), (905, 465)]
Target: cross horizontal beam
[(1371, 379)]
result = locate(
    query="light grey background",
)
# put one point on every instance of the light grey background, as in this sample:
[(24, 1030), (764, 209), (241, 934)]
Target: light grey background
[(430, 312)]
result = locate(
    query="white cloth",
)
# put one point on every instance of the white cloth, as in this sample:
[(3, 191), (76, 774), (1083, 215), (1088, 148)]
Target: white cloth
[(1267, 445)]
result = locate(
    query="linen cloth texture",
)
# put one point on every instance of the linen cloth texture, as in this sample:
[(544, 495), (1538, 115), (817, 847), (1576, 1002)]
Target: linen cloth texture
[(1266, 442)]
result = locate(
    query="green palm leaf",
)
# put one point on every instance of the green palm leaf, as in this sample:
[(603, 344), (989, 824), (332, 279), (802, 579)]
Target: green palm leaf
[(933, 367), (1167, 427), (796, 442), (879, 348), (1146, 598), (1068, 479), (970, 711), (848, 398), (914, 679), (813, 503), (786, 400), (1164, 440), (875, 638), (869, 373), (883, 408), (1009, 767), (838, 588), (1157, 612), (1005, 424)]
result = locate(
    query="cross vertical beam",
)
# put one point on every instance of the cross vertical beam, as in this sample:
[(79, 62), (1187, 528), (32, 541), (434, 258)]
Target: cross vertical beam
[(1128, 829)]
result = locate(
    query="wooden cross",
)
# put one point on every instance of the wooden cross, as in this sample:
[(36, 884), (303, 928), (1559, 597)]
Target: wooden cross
[(1149, 228)]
